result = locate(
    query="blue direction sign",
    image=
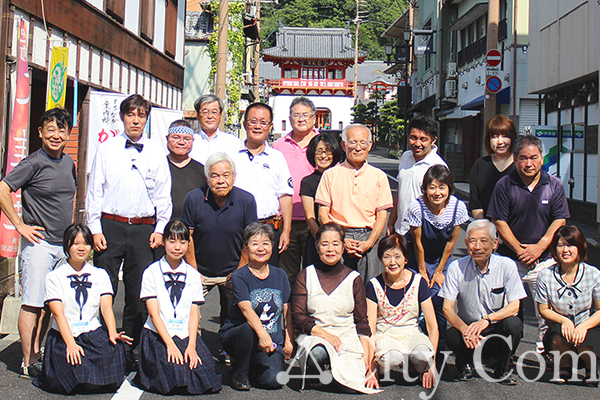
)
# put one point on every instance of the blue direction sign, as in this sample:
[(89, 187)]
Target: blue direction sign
[(493, 84)]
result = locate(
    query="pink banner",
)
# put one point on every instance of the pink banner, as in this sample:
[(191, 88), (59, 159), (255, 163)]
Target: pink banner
[(17, 143)]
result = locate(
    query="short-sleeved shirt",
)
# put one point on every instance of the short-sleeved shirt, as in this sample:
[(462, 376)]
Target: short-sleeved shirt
[(218, 231), (308, 187), (79, 293), (574, 301), (183, 181), (395, 296), (483, 179), (299, 168), (354, 196), (477, 294), (410, 179), (266, 176), (528, 213), (267, 297), (222, 142), (48, 188), (414, 216), (176, 290)]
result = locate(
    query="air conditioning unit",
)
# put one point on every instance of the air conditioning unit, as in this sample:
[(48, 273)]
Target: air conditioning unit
[(251, 12), (451, 88), (451, 70)]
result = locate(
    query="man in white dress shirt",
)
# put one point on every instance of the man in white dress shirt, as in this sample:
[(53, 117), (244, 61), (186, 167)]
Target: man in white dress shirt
[(211, 139), (128, 205), (263, 171)]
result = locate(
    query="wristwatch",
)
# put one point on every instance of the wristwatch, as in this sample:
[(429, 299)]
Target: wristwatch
[(487, 318)]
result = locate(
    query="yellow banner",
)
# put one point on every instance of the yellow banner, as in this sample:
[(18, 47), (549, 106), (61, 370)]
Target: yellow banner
[(57, 77)]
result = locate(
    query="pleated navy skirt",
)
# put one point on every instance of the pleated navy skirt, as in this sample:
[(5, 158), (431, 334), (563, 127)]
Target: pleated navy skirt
[(102, 365), (157, 374)]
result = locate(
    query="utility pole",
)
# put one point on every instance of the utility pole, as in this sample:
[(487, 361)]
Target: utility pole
[(357, 21), (257, 56), (222, 53), (489, 110)]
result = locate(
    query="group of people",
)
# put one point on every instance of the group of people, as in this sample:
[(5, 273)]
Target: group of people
[(298, 240)]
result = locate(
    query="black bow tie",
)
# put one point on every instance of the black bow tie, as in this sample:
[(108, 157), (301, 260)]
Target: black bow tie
[(137, 146), (175, 286), (81, 285)]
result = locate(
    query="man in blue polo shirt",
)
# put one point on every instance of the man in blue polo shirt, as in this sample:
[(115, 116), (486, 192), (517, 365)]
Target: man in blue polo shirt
[(217, 216), (527, 207)]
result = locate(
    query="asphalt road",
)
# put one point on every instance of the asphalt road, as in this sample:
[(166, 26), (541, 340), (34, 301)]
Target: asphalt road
[(14, 387)]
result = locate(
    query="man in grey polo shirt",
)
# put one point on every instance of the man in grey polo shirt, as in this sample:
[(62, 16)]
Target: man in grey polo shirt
[(486, 290)]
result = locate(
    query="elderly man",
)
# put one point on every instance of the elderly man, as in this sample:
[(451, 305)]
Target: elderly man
[(357, 196), (293, 146), (187, 174), (412, 167), (486, 290), (528, 206), (217, 216), (128, 205), (48, 182), (263, 171), (211, 139)]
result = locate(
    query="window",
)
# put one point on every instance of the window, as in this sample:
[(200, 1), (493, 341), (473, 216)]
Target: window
[(170, 26), (481, 26), (116, 9), (290, 73), (147, 20), (335, 74)]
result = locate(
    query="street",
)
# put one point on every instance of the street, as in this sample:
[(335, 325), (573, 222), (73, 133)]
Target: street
[(14, 387)]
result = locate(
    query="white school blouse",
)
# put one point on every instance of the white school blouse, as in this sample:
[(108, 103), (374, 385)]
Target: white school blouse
[(80, 294), (176, 290)]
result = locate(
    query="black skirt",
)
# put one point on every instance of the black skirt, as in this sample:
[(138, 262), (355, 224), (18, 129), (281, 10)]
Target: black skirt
[(157, 374), (102, 365), (592, 339)]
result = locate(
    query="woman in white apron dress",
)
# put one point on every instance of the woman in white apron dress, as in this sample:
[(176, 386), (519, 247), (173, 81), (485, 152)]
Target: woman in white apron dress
[(329, 309)]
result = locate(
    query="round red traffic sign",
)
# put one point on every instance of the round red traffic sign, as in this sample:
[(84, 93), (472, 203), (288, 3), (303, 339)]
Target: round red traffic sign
[(493, 84), (493, 58)]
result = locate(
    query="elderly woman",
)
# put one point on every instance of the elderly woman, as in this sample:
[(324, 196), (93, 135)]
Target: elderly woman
[(394, 303), (259, 330), (330, 310), (500, 134), (568, 298), (435, 219), (323, 152)]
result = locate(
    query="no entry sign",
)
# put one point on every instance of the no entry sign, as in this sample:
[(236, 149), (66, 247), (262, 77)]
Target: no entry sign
[(493, 58), (493, 84)]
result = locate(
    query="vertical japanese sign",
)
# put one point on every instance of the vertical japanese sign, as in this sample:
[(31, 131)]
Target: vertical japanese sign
[(57, 78), (17, 142), (104, 120)]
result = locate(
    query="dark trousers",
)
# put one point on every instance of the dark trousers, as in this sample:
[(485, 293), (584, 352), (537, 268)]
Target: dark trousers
[(274, 260), (291, 259), (510, 327), (241, 343), (128, 244)]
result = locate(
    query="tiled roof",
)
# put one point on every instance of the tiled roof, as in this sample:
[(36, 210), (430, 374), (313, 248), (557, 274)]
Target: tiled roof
[(198, 25), (313, 43)]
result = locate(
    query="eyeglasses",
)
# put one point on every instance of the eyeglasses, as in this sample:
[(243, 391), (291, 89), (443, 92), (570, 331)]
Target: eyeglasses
[(321, 152), (304, 116), (353, 144), (177, 138), (212, 113), (262, 122)]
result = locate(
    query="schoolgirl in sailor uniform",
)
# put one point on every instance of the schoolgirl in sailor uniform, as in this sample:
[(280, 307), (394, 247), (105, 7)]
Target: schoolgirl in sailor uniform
[(172, 354), (79, 350)]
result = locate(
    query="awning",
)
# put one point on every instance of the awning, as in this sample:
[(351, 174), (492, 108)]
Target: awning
[(470, 16), (502, 97)]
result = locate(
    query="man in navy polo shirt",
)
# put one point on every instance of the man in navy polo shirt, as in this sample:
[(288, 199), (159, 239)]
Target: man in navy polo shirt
[(527, 207), (217, 216)]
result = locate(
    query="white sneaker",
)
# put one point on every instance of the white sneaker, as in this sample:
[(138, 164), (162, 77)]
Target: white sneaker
[(539, 347)]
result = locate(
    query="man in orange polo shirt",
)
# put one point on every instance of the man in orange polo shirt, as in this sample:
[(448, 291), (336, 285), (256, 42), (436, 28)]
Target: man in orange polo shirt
[(356, 195)]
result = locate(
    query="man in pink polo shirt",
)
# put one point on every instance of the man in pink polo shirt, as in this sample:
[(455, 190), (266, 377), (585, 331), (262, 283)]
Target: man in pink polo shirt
[(293, 146), (356, 195)]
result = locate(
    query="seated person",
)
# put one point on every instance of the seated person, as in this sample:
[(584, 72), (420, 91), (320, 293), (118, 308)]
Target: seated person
[(79, 351), (259, 331), (568, 298), (394, 303), (486, 290), (330, 310)]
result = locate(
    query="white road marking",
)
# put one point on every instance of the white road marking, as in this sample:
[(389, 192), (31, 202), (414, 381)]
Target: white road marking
[(127, 391)]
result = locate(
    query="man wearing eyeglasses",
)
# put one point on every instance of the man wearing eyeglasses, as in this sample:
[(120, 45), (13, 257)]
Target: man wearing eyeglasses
[(211, 139), (263, 171), (293, 146), (356, 195)]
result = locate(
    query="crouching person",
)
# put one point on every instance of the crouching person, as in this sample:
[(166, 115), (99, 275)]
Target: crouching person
[(486, 290)]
